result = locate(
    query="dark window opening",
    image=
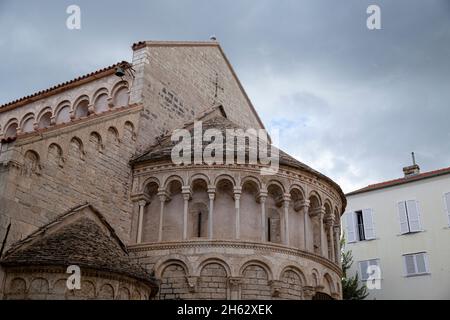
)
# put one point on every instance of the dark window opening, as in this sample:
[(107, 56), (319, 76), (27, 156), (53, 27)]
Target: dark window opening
[(360, 226), (199, 225)]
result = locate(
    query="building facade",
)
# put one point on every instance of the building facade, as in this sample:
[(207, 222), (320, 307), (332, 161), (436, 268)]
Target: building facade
[(402, 229), (212, 231)]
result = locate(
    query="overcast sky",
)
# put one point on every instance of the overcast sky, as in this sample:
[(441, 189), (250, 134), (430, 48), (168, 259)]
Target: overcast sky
[(348, 101)]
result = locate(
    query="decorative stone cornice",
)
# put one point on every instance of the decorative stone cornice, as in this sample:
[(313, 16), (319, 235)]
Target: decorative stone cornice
[(241, 244)]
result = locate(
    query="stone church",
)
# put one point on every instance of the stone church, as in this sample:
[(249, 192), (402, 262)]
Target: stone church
[(87, 179)]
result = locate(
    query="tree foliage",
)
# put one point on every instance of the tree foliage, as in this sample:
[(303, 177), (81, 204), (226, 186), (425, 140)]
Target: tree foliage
[(351, 287)]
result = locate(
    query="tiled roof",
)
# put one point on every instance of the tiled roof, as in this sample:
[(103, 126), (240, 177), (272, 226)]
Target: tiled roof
[(81, 241), (395, 182), (63, 86)]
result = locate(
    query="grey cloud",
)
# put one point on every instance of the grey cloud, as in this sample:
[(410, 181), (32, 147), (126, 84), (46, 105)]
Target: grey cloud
[(348, 101)]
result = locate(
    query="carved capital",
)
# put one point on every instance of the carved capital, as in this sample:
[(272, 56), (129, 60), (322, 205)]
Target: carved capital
[(187, 192), (301, 205), (192, 283), (318, 212), (138, 197), (163, 195), (234, 282), (262, 196), (275, 285), (211, 192)]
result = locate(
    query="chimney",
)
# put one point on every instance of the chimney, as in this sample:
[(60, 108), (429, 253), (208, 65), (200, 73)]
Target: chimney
[(413, 170)]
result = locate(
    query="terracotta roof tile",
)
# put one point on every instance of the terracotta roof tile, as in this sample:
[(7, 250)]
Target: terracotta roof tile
[(63, 86), (81, 242), (395, 182)]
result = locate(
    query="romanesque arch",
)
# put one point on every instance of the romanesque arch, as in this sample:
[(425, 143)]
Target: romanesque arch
[(45, 118), (213, 281), (81, 107), (315, 223), (31, 163), (27, 123), (151, 218), (174, 284), (255, 281), (224, 209), (100, 99), (172, 227), (62, 112), (250, 210), (292, 282)]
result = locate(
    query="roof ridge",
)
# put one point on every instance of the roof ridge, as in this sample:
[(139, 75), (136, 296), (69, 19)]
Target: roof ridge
[(402, 180), (60, 218)]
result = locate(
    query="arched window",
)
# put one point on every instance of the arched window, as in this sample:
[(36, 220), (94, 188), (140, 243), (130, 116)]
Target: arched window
[(101, 103), (45, 120), (28, 124), (11, 131), (121, 97), (63, 115), (81, 109)]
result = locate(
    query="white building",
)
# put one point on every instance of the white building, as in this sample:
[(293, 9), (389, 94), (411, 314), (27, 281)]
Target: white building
[(403, 226)]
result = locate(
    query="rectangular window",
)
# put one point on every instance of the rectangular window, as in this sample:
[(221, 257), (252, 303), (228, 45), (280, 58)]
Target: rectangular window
[(416, 264), (409, 216), (364, 268), (360, 225)]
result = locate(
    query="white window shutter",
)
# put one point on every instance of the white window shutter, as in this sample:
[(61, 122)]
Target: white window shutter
[(369, 228), (447, 206), (404, 227), (410, 265), (351, 227), (413, 216), (363, 265), (420, 262)]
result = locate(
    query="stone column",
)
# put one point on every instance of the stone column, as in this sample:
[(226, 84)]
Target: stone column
[(262, 196), (320, 216), (212, 195), (186, 191), (237, 206), (337, 241), (305, 210), (162, 195), (234, 288), (141, 204), (286, 201), (330, 242)]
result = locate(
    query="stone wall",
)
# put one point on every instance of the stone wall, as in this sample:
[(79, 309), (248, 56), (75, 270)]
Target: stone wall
[(50, 284), (44, 175), (204, 269), (177, 83)]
